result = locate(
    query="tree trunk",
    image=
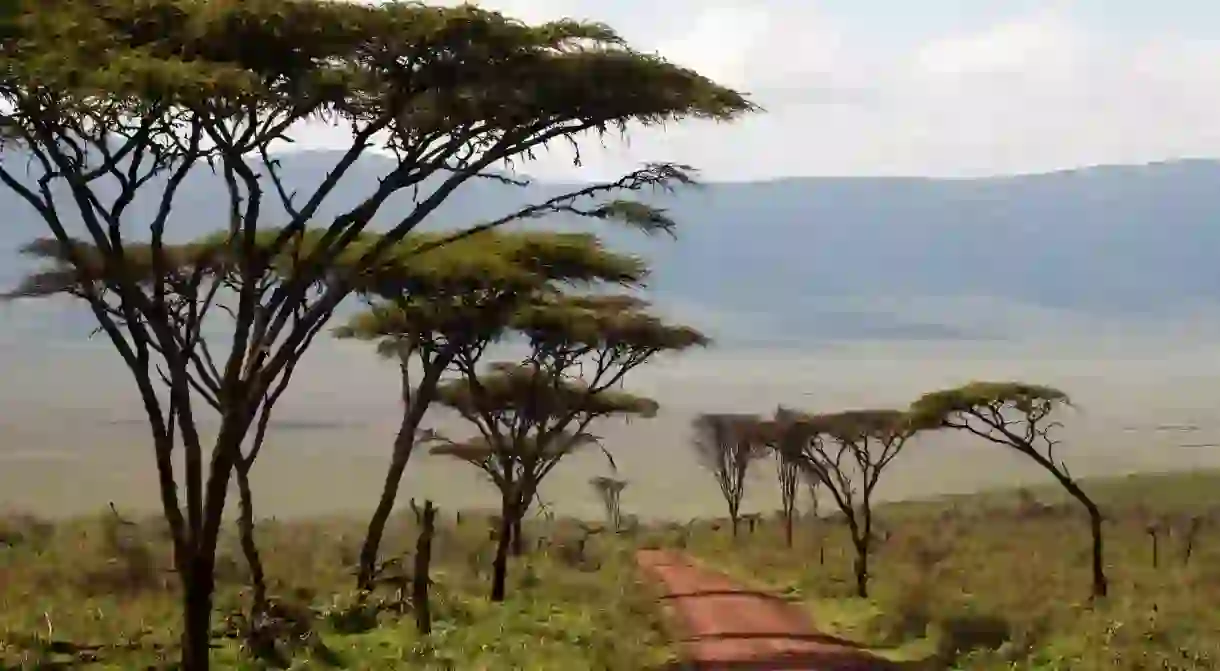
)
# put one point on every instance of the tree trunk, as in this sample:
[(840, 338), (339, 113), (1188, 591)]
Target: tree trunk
[(197, 586), (1100, 584), (1100, 587), (403, 445), (200, 578), (861, 537), (420, 579), (788, 528), (861, 566), (413, 412), (245, 527), (518, 545), (499, 567)]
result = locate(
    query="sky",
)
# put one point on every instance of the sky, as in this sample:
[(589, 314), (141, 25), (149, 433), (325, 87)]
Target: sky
[(952, 88)]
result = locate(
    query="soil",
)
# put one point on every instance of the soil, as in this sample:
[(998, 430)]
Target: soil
[(723, 626)]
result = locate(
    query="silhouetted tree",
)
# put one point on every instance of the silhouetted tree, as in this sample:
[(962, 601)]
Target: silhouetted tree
[(609, 491), (726, 445), (530, 415), (847, 452), (1017, 416), (457, 301), (107, 99)]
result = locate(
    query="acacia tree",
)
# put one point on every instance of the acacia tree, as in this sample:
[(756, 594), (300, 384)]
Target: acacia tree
[(460, 300), (115, 103), (610, 491), (530, 415), (847, 452), (1018, 416), (726, 445)]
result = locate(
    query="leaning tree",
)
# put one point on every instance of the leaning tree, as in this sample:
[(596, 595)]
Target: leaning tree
[(726, 444), (1017, 416), (847, 452), (459, 300), (112, 106), (531, 414)]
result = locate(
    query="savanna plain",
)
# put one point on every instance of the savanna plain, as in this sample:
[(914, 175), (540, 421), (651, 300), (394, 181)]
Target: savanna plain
[(980, 561)]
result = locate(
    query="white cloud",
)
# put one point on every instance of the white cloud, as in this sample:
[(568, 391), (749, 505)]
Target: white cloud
[(1027, 93), (1037, 44)]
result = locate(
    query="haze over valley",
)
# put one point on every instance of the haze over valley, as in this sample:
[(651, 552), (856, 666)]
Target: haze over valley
[(822, 293)]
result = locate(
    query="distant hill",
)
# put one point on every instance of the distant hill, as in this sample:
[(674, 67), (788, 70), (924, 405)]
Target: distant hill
[(794, 260)]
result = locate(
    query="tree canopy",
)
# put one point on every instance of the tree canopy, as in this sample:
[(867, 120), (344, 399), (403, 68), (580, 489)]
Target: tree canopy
[(419, 69), (472, 289), (517, 392), (849, 425), (934, 409)]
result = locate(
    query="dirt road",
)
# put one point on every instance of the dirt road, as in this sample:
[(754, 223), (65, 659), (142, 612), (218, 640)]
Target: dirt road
[(723, 626)]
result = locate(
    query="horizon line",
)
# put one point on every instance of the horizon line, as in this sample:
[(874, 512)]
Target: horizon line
[(909, 177)]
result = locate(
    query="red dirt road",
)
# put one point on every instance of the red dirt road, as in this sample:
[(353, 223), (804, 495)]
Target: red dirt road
[(723, 626)]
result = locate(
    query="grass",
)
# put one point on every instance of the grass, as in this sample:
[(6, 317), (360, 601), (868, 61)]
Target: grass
[(993, 581), (1000, 580), (98, 594)]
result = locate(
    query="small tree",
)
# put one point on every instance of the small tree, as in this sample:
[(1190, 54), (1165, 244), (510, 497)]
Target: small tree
[(113, 99), (726, 445), (847, 452), (609, 491), (530, 415), (459, 300), (788, 472), (1017, 416)]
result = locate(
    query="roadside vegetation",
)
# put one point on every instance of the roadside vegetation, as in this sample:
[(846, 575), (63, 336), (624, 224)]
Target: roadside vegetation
[(1001, 580), (116, 102), (98, 593)]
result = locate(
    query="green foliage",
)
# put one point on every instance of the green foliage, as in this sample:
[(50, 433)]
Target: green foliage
[(977, 582), (486, 454), (933, 409), (67, 604), (603, 322), (428, 69), (851, 425), (467, 292), (538, 396)]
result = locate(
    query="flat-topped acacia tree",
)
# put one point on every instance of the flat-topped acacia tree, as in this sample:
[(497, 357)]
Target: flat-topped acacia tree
[(116, 103), (847, 452), (1018, 416), (531, 414), (459, 300), (726, 444)]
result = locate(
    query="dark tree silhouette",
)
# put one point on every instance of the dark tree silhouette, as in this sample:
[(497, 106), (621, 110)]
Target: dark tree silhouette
[(530, 415), (726, 445), (457, 301), (1017, 416), (610, 491), (847, 452), (105, 100)]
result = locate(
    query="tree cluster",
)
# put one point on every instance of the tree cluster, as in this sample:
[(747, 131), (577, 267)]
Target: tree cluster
[(844, 454), (111, 106)]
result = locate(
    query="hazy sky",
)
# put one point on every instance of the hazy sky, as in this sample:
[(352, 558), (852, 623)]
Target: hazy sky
[(936, 87)]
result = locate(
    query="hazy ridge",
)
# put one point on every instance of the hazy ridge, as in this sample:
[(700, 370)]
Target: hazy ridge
[(823, 293)]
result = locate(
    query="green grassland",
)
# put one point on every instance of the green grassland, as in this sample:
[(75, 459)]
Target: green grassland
[(98, 594), (997, 580), (1000, 580)]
